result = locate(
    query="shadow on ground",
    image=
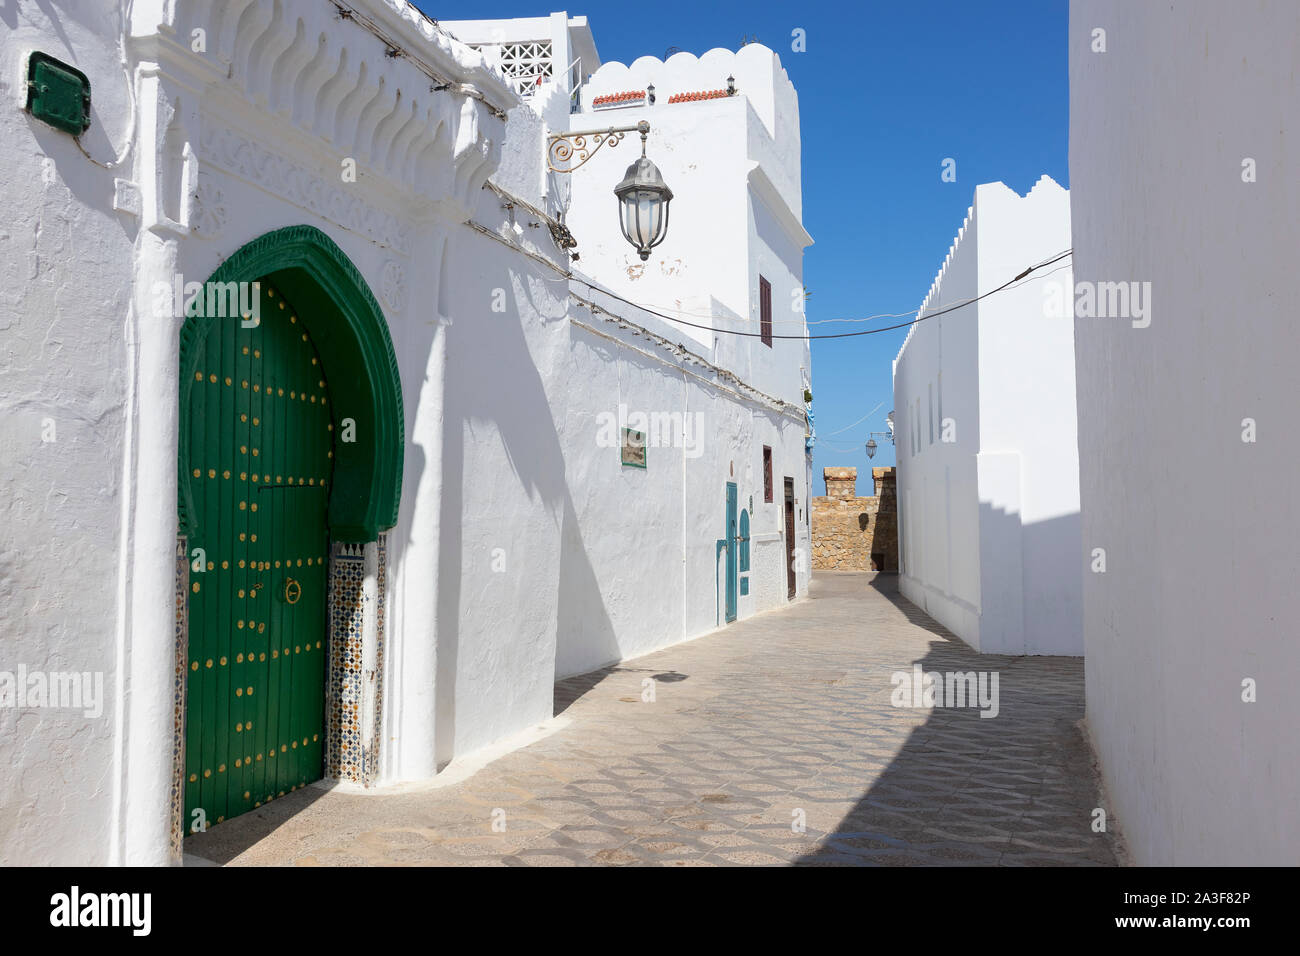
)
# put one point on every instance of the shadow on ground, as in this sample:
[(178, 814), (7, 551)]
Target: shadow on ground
[(222, 843), (1012, 789), (572, 689)]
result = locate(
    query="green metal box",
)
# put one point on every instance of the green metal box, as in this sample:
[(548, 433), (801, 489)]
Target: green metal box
[(58, 94)]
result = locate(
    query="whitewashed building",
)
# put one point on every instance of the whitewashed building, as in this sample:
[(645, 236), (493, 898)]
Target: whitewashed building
[(984, 421), (1187, 447), (406, 460)]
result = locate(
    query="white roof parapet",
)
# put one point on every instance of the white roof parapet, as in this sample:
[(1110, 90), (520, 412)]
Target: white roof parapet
[(689, 71), (757, 70)]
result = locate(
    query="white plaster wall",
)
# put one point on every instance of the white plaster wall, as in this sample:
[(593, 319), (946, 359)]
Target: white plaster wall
[(503, 494), (1199, 528), (65, 357), (89, 572), (990, 520), (501, 451), (640, 568), (939, 521), (522, 171), (776, 369), (696, 147), (1027, 408), (710, 154)]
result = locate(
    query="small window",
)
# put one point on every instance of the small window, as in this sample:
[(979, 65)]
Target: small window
[(765, 313), (767, 473)]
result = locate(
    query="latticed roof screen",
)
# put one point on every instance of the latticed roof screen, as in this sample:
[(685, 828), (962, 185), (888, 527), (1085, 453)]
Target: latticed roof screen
[(526, 63)]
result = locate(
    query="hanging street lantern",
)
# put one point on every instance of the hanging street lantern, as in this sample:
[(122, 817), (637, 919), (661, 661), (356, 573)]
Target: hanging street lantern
[(871, 448), (643, 196)]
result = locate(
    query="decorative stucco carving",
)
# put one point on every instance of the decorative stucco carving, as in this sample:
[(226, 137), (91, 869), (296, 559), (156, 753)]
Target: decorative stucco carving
[(428, 123), (242, 157), (210, 212), (393, 286)]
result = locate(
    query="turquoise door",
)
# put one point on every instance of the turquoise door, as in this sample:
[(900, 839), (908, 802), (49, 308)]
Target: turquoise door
[(731, 551), (743, 540)]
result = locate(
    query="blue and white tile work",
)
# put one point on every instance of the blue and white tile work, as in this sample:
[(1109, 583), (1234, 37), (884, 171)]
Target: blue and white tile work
[(352, 753), (178, 696), (371, 766)]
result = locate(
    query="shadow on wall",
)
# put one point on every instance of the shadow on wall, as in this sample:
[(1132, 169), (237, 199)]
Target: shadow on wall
[(583, 625), (961, 789), (1031, 583), (496, 397), (513, 402)]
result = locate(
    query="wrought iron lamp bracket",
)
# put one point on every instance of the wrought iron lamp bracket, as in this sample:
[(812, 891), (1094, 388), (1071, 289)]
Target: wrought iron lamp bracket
[(562, 147)]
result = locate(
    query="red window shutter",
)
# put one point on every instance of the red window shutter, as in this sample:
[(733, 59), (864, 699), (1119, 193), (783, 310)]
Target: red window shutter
[(767, 473), (765, 312)]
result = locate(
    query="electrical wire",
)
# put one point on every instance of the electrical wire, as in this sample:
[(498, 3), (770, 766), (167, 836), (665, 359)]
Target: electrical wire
[(124, 14), (836, 335), (807, 322), (799, 322), (347, 11), (858, 422)]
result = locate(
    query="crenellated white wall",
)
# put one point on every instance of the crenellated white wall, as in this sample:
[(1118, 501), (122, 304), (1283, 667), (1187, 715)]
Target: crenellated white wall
[(989, 520), (937, 484)]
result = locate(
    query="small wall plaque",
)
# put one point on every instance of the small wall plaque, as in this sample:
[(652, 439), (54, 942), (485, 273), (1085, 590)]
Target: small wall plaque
[(633, 450)]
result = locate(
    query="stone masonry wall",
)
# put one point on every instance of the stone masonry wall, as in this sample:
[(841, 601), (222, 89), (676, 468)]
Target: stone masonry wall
[(851, 533)]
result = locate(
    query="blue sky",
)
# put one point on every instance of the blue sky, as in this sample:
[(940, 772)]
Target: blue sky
[(887, 91)]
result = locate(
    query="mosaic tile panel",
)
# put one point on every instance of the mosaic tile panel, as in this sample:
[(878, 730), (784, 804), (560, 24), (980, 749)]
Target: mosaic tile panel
[(349, 755), (343, 750), (371, 766)]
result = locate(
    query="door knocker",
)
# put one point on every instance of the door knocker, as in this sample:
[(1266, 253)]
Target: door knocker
[(292, 591)]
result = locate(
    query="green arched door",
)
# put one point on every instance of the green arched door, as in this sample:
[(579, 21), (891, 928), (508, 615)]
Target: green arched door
[(259, 467)]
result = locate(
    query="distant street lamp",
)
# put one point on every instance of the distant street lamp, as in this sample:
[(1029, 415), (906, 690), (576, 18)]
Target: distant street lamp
[(871, 439), (643, 195)]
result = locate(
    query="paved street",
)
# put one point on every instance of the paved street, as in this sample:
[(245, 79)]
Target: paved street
[(781, 719)]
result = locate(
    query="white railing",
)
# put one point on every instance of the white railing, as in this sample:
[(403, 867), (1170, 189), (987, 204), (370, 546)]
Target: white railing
[(527, 84), (575, 85)]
